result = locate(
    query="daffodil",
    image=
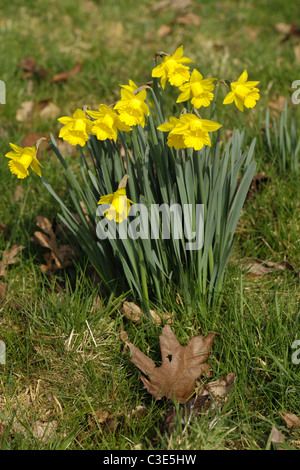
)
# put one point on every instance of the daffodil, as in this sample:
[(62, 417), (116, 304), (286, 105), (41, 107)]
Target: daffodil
[(76, 128), (174, 140), (189, 131), (196, 130), (22, 159), (198, 89), (119, 205), (172, 69), (107, 123), (132, 107), (243, 93)]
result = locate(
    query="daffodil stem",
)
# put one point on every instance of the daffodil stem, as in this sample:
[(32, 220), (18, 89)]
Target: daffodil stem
[(136, 143), (210, 261), (213, 108), (143, 276)]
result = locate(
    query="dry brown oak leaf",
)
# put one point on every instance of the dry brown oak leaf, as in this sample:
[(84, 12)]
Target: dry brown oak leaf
[(60, 256), (181, 365)]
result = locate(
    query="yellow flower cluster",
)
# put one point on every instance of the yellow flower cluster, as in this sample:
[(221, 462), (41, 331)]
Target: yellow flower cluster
[(199, 90), (187, 131), (129, 111)]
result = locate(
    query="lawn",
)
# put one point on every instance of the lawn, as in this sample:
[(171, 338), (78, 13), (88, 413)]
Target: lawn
[(68, 381)]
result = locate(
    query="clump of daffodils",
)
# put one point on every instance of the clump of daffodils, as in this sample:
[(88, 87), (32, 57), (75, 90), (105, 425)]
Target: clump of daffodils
[(129, 149), (188, 130)]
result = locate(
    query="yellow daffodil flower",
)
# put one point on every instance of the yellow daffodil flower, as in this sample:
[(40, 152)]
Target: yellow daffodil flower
[(243, 93), (172, 69), (174, 140), (119, 205), (107, 123), (76, 128), (189, 131), (132, 108), (198, 89), (196, 130), (22, 159)]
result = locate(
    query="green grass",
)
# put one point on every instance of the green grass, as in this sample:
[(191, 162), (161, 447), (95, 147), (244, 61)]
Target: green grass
[(66, 363)]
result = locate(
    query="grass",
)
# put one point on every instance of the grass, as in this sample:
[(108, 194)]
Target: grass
[(67, 367)]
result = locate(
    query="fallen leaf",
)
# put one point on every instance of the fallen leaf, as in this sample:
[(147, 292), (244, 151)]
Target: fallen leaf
[(30, 68), (49, 111), (3, 133), (189, 19), (40, 109), (292, 420), (24, 113), (59, 257), (31, 139), (3, 290), (123, 336), (163, 31), (258, 181), (28, 64), (218, 45), (108, 421), (210, 396), (64, 76), (251, 32), (288, 30), (216, 392), (181, 366), (97, 305), (283, 28), (174, 4), (134, 313), (277, 104), (2, 430), (4, 230), (276, 436), (259, 268), (9, 257), (138, 412), (54, 263), (44, 430), (228, 134)]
